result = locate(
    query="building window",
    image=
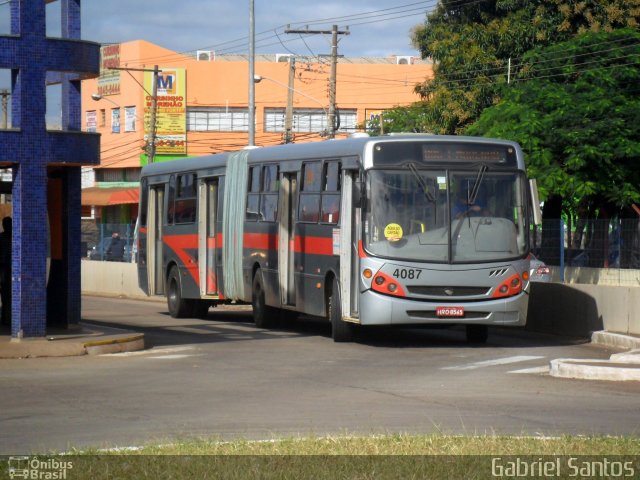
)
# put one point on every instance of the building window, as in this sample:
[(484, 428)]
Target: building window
[(217, 119), (308, 120), (115, 120), (129, 119)]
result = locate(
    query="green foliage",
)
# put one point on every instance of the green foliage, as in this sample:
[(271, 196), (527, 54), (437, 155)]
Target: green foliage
[(471, 43), (575, 110)]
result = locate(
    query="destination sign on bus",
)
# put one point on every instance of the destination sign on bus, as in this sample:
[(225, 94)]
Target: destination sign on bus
[(392, 153), (465, 153)]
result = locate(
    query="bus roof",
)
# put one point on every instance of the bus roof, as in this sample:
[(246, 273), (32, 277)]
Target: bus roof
[(348, 147)]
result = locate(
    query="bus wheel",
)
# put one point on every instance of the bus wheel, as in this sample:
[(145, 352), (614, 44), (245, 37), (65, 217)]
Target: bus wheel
[(263, 316), (477, 333), (341, 331), (178, 307)]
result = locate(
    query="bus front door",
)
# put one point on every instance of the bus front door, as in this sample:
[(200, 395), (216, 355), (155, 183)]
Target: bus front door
[(155, 214), (207, 238), (286, 212)]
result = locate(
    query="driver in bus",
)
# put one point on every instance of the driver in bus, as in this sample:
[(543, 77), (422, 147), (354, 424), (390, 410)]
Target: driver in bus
[(463, 207)]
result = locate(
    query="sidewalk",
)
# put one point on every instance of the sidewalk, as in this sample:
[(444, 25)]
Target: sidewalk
[(84, 339)]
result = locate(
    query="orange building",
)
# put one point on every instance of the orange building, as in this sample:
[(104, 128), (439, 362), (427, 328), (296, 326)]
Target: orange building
[(202, 108)]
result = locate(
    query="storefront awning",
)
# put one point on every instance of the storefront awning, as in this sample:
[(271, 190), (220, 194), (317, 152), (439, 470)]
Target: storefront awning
[(102, 197)]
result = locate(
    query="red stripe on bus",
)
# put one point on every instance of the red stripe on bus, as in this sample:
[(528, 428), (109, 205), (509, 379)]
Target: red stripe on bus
[(361, 252), (314, 245), (179, 244), (260, 241)]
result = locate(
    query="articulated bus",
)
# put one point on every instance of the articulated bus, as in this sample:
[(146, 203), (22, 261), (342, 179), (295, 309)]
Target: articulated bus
[(392, 230)]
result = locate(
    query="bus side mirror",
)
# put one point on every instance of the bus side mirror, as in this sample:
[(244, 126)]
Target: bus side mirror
[(535, 202), (357, 194)]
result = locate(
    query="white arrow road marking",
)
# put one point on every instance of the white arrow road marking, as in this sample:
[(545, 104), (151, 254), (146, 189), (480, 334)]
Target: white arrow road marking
[(497, 361)]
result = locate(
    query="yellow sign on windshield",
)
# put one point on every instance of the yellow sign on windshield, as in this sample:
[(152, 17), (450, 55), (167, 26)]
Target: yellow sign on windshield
[(393, 232)]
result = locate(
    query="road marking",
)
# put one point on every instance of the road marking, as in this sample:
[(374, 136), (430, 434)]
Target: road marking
[(544, 369), (152, 351), (492, 363), (171, 357)]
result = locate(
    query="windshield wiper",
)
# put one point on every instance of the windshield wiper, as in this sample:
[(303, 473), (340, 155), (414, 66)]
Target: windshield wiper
[(473, 193), (425, 188)]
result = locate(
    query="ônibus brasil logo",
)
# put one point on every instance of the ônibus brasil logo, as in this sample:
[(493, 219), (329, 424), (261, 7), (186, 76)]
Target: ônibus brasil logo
[(38, 469)]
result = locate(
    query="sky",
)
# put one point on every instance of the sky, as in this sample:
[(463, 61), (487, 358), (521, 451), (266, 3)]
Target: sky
[(378, 27)]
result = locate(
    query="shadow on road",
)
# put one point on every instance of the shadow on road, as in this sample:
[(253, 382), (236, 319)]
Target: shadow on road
[(235, 323)]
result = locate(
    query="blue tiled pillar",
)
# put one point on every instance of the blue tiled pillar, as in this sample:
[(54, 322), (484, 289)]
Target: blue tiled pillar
[(29, 254), (30, 150)]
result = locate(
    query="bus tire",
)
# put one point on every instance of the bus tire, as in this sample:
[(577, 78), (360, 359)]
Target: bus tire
[(178, 306), (477, 333), (263, 316), (341, 331)]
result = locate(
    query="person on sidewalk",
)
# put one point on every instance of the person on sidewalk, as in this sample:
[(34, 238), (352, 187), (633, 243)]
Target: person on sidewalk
[(5, 269), (115, 250)]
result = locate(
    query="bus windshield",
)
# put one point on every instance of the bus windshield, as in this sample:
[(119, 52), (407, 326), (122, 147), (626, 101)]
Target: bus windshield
[(446, 215)]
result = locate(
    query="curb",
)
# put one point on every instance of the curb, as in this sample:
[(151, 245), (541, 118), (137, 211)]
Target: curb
[(594, 370), (618, 340), (621, 367), (73, 346), (131, 343)]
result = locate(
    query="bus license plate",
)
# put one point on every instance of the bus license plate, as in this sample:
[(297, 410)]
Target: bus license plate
[(450, 311)]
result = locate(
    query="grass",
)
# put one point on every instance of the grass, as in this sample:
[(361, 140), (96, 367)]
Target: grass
[(375, 457)]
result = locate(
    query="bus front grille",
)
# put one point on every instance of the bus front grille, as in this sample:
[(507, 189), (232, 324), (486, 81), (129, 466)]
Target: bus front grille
[(441, 291)]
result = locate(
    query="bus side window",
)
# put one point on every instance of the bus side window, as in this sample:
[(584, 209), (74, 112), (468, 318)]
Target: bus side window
[(309, 210), (143, 202), (269, 197), (253, 197), (309, 207), (185, 207), (220, 199), (171, 198), (330, 209)]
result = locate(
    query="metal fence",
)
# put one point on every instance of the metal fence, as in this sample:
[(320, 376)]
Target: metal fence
[(98, 238), (610, 243)]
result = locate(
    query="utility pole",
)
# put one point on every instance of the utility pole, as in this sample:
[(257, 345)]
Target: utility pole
[(4, 93), (151, 147), (288, 120), (151, 153), (252, 72), (332, 82), (334, 32)]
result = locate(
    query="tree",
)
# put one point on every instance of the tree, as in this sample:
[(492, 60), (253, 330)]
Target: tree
[(471, 43), (575, 110)]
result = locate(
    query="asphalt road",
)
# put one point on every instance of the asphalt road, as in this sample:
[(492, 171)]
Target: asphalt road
[(224, 378)]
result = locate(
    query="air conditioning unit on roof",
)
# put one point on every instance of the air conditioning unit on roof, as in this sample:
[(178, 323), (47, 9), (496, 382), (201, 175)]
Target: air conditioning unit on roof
[(205, 55), (404, 60), (283, 57)]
